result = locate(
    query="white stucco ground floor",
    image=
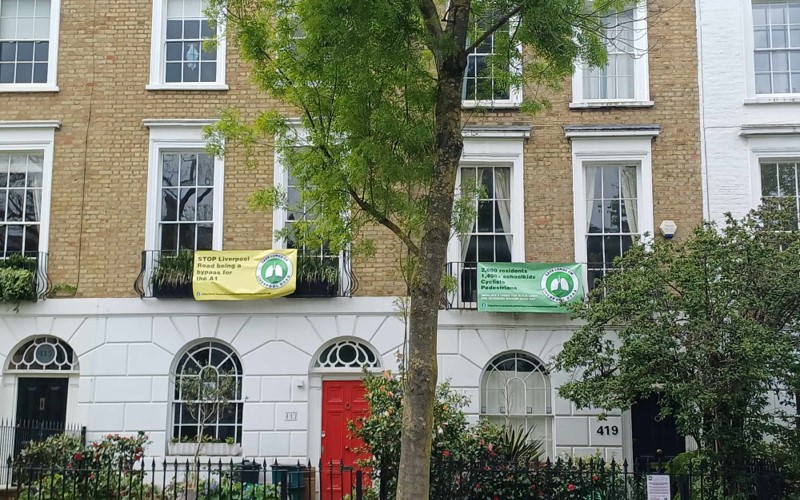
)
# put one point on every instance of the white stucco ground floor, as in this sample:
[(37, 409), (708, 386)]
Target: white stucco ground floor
[(114, 363)]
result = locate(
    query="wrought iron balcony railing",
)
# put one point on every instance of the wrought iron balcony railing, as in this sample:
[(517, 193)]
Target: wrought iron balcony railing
[(464, 295), (168, 275), (36, 286)]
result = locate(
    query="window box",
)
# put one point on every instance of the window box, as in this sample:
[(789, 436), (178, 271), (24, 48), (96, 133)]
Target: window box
[(18, 279), (317, 276), (172, 275), (206, 449)]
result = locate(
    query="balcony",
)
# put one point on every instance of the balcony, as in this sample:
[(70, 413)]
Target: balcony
[(168, 275), (464, 295), (23, 277)]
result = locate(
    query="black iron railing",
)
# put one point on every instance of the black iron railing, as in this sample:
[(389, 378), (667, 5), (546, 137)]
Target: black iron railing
[(15, 435), (35, 263), (461, 291), (246, 479), (168, 274)]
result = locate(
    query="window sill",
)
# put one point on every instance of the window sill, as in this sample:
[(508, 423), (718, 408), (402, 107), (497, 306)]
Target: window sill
[(13, 87), (490, 104), (166, 86), (611, 104), (774, 99)]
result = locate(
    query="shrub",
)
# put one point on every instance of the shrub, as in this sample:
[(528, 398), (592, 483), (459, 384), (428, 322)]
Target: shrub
[(483, 449), (63, 463)]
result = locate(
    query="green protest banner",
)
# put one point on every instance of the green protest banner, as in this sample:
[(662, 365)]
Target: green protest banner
[(524, 287)]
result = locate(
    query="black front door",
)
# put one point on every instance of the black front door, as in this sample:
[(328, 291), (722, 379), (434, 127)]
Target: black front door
[(42, 400), (41, 409), (654, 439)]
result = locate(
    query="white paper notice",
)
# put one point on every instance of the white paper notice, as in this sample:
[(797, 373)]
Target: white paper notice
[(658, 487)]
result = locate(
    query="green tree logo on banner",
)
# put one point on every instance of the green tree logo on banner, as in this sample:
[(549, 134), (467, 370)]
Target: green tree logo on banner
[(560, 284), (274, 271)]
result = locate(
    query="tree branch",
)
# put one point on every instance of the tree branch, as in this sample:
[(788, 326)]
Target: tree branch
[(496, 26), (382, 219), (431, 16)]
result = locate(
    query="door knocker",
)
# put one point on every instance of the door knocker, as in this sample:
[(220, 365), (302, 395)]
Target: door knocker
[(347, 405)]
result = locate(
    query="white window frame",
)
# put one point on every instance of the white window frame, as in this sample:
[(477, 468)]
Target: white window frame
[(281, 181), (515, 91), (750, 64), (633, 147), (158, 54), (34, 136), (768, 144), (175, 376), (52, 58), (175, 135), (497, 146), (641, 71)]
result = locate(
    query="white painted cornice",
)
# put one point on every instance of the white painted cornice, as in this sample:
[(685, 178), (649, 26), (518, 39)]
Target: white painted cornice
[(6, 124), (588, 131), (191, 122), (770, 129)]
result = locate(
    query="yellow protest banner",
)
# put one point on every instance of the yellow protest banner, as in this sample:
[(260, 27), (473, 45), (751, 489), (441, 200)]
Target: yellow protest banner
[(244, 274)]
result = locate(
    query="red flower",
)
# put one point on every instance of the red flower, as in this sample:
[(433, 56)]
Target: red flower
[(477, 486), (138, 450), (109, 436), (91, 476), (78, 457), (446, 453), (571, 487), (496, 497), (594, 477)]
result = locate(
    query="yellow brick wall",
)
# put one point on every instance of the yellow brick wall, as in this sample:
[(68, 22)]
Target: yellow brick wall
[(101, 150)]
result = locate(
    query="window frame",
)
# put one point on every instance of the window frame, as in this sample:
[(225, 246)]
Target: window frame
[(497, 147), (641, 71), (208, 343), (515, 91), (158, 55), (279, 215), (752, 97), (549, 414), (175, 136), (633, 147), (52, 58), (28, 136), (765, 149)]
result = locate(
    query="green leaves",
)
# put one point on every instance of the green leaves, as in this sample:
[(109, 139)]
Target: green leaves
[(708, 325)]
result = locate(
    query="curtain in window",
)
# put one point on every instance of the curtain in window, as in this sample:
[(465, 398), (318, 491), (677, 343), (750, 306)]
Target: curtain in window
[(467, 186), (628, 188), (591, 179), (502, 186)]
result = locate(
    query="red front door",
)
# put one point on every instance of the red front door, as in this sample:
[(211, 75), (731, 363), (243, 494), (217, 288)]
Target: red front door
[(342, 401)]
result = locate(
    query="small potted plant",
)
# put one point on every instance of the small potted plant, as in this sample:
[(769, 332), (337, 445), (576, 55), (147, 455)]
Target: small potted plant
[(172, 275), (317, 276)]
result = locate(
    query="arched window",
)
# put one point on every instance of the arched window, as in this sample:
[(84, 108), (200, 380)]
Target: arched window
[(347, 354), (208, 394), (515, 391), (44, 354)]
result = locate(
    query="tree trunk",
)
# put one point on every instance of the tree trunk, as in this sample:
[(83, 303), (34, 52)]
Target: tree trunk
[(413, 481)]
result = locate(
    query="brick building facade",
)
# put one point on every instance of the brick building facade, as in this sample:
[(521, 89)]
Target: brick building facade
[(99, 127)]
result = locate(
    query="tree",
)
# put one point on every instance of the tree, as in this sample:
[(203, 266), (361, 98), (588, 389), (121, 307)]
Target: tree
[(207, 396), (708, 326), (377, 85)]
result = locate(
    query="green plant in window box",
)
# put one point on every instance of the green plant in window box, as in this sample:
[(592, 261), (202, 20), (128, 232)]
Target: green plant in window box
[(17, 279), (317, 276), (172, 275)]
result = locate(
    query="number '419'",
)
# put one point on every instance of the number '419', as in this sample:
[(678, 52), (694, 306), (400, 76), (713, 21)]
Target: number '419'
[(606, 430)]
